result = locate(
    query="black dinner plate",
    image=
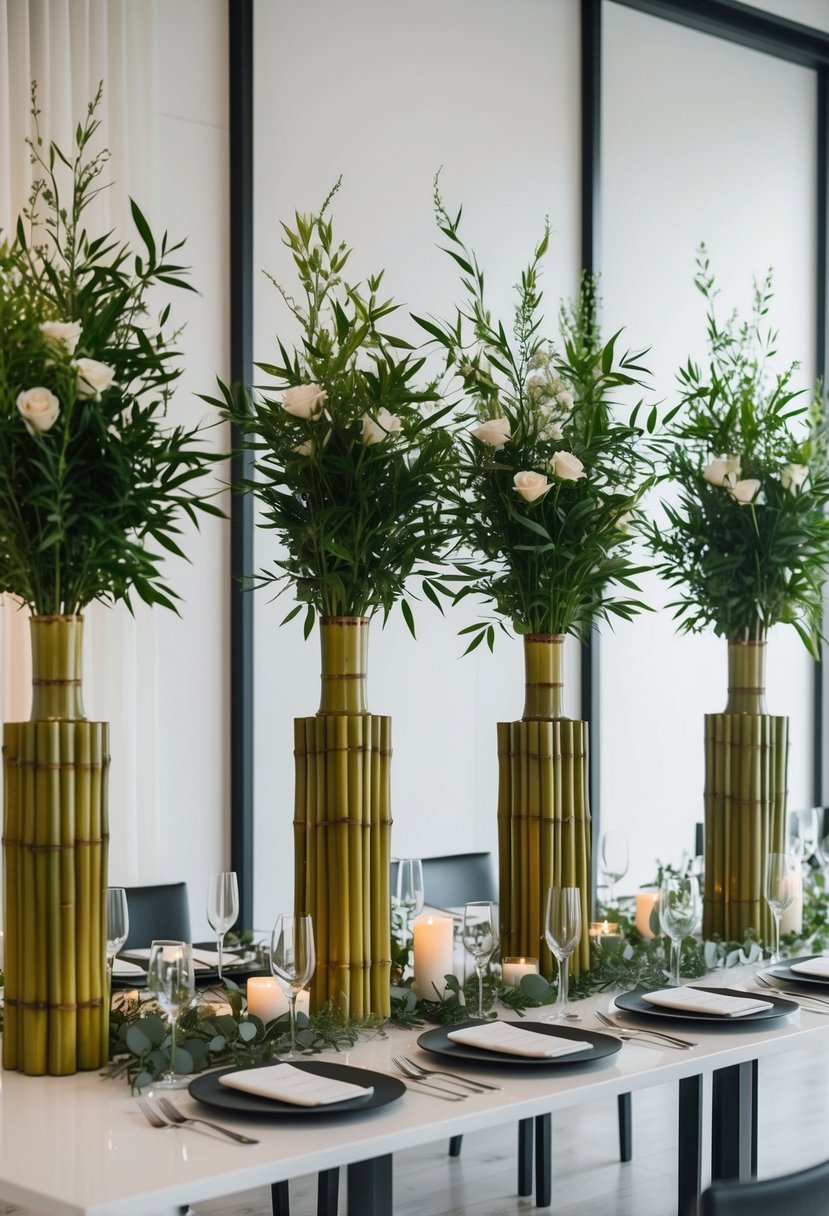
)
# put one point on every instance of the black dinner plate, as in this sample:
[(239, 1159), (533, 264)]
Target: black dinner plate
[(438, 1042), (634, 1002), (207, 1090), (783, 971), (238, 971)]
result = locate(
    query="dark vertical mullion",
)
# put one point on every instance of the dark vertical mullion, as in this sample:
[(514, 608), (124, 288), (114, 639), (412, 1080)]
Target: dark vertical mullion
[(821, 687), (591, 118), (240, 90)]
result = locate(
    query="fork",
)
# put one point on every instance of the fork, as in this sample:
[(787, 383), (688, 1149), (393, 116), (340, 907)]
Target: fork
[(672, 1039), (417, 1073), (451, 1095), (174, 1116), (762, 982)]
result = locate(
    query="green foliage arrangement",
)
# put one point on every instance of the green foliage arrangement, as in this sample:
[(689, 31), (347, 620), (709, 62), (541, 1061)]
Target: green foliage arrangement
[(747, 540), (551, 478), (93, 481), (353, 463)]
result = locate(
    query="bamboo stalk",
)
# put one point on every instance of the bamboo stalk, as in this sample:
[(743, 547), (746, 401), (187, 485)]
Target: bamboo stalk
[(359, 955), (503, 734)]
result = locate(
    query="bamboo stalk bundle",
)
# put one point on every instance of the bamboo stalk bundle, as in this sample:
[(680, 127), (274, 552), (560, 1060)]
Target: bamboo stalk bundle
[(746, 762), (544, 829), (55, 860), (342, 827)]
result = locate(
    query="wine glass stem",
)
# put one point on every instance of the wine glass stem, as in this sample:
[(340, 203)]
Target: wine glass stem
[(775, 957), (563, 984), (479, 970), (676, 945), (292, 995), (173, 1028), (220, 937)]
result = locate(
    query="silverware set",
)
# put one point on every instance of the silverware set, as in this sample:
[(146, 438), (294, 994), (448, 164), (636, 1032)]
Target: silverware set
[(634, 1033), (168, 1115), (421, 1076), (818, 1003)]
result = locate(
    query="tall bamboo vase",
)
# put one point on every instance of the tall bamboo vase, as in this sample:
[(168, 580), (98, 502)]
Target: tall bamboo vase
[(543, 808), (746, 760), (342, 829), (55, 842)]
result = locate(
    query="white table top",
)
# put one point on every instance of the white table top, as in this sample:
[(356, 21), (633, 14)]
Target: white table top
[(79, 1146)]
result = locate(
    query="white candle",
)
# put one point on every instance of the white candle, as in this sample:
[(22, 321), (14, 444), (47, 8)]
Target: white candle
[(432, 949), (266, 998), (646, 900), (792, 919), (514, 970)]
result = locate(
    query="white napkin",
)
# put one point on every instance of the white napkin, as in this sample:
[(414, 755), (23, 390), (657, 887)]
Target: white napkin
[(210, 958), (504, 1036), (122, 966), (288, 1084), (702, 1000), (818, 967)]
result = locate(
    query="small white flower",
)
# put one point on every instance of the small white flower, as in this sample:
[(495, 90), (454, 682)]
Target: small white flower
[(553, 431), (723, 471), (565, 399), (530, 485), (537, 384), (566, 466), (375, 431), (793, 477), (305, 449), (495, 432), (94, 378), (39, 409), (467, 369), (61, 336), (623, 522), (304, 400), (745, 492), (540, 359)]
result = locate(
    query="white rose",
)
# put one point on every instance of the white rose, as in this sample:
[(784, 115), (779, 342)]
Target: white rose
[(39, 409), (375, 431), (565, 399), (94, 378), (566, 466), (496, 432), (793, 477), (304, 400), (747, 491), (62, 334), (531, 485), (723, 471)]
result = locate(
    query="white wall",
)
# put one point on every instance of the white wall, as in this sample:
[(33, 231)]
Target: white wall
[(703, 140), (386, 93)]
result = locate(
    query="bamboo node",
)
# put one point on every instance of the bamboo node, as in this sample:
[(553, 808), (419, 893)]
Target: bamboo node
[(542, 755), (333, 823), (95, 1003), (64, 766), (364, 966), (543, 683), (344, 675)]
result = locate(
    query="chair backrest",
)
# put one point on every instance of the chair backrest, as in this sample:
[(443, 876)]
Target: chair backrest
[(452, 881), (802, 1194), (158, 912)]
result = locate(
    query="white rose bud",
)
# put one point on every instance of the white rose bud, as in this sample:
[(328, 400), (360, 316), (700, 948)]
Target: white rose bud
[(39, 409), (61, 334), (94, 378), (793, 477), (495, 432), (566, 466), (376, 431), (531, 485), (723, 471), (745, 492), (304, 401)]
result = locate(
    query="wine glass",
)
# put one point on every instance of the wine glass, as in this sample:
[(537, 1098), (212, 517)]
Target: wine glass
[(409, 896), (293, 961), (562, 930), (615, 861), (680, 908), (782, 883), (222, 907), (171, 980), (480, 936), (118, 924)]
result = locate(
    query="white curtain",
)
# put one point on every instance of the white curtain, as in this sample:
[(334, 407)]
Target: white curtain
[(69, 47)]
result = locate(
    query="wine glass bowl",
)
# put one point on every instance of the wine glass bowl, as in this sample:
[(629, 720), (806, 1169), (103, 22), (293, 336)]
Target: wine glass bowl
[(615, 861), (480, 937), (118, 923), (293, 961), (222, 907), (409, 892), (171, 980), (680, 908), (782, 883), (562, 931)]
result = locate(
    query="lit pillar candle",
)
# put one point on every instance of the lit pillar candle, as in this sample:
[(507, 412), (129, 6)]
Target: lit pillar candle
[(514, 970), (432, 949), (646, 900), (792, 919), (606, 933), (266, 999)]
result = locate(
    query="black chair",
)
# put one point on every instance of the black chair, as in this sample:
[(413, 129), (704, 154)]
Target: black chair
[(458, 879), (805, 1193), (157, 912)]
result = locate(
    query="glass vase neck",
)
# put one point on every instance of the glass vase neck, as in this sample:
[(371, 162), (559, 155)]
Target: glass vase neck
[(57, 658), (543, 676), (344, 654), (746, 678)]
